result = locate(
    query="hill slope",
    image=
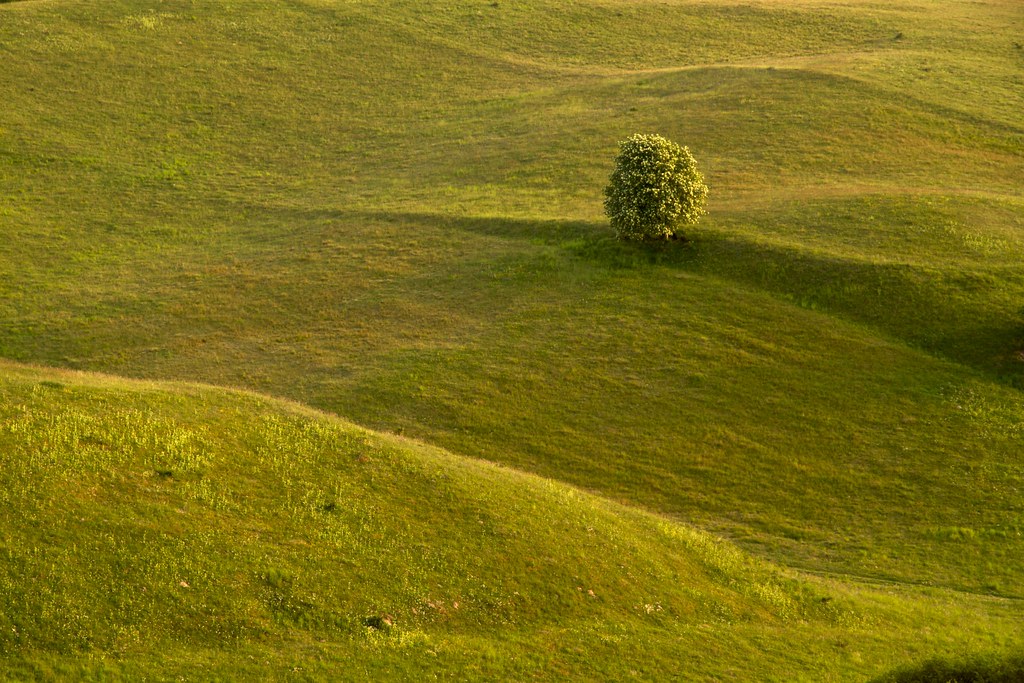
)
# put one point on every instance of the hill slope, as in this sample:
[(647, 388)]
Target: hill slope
[(165, 529)]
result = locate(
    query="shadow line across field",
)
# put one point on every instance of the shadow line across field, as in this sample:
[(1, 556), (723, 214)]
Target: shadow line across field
[(967, 315)]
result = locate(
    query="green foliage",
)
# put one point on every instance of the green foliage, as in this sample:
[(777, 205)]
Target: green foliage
[(654, 188)]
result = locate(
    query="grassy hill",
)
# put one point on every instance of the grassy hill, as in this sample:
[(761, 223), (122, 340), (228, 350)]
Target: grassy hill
[(160, 530), (392, 211)]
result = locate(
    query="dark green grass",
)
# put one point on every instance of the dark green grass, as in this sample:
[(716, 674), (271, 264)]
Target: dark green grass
[(978, 669), (938, 272)]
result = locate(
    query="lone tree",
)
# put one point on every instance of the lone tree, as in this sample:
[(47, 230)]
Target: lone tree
[(654, 188)]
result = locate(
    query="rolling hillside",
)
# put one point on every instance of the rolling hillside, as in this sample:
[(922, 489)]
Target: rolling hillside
[(391, 211), (159, 530)]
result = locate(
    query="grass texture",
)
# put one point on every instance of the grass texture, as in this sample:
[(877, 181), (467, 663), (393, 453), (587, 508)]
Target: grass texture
[(391, 211), (153, 530)]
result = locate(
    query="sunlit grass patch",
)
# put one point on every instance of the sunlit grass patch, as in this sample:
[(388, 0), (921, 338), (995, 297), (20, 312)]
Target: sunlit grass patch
[(305, 540)]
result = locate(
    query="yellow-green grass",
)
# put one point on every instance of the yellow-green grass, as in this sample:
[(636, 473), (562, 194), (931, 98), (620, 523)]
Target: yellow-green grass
[(162, 530), (393, 211)]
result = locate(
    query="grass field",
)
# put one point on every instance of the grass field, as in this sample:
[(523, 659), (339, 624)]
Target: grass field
[(169, 530), (391, 211)]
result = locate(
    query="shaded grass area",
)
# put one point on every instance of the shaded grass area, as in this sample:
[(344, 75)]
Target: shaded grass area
[(978, 669), (939, 272)]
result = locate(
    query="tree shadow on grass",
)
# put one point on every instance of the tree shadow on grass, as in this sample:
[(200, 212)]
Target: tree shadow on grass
[(590, 240), (969, 316), (957, 313)]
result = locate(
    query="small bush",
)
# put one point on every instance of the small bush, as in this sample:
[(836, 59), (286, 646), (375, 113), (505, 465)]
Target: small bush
[(979, 669), (654, 188)]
